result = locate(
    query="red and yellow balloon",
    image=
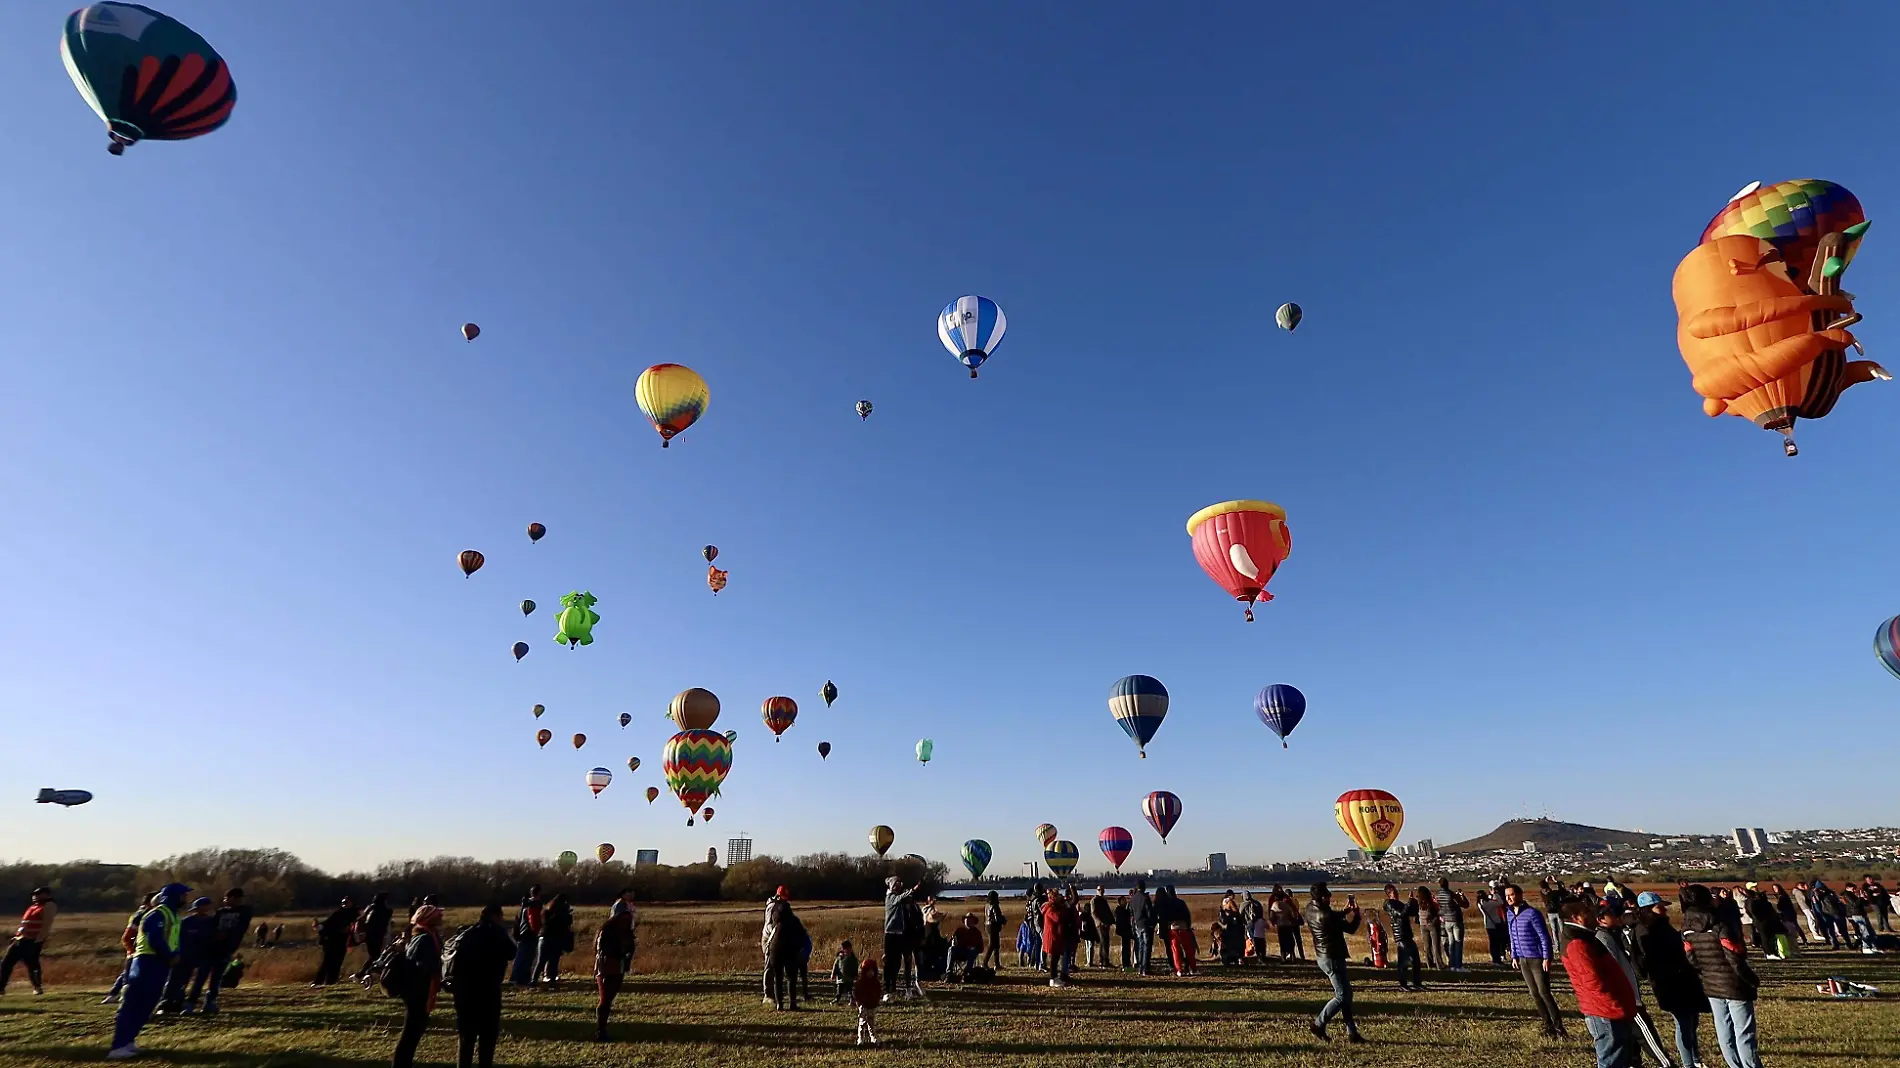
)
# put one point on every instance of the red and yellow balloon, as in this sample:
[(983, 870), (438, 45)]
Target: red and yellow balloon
[(1240, 544), (1371, 818)]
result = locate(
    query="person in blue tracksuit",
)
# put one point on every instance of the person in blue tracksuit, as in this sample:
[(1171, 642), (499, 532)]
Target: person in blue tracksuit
[(153, 950), (195, 931)]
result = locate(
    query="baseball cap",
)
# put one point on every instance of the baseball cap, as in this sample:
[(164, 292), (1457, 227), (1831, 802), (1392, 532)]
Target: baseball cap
[(1648, 898), (201, 903)]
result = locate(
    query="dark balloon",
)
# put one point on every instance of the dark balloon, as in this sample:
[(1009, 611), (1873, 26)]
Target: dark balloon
[(538, 709), (710, 552), (543, 737), (580, 740), (536, 532), (527, 608), (824, 750), (625, 719), (470, 561), (470, 331), (521, 650), (864, 409), (829, 693)]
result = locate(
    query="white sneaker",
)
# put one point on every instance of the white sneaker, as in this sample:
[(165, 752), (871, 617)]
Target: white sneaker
[(886, 1000), (1055, 983), (123, 1053)]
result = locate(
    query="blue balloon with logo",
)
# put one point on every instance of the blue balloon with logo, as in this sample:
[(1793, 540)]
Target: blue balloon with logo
[(1280, 707)]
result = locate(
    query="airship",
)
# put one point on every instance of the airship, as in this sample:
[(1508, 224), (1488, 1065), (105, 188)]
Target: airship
[(69, 798)]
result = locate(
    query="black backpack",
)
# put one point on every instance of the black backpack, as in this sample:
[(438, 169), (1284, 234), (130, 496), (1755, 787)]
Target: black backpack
[(393, 970), (449, 957)]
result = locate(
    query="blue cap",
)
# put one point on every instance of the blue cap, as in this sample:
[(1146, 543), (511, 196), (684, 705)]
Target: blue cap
[(1648, 898), (201, 903), (173, 892)]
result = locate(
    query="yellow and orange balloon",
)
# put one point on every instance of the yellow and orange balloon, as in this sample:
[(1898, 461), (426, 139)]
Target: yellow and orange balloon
[(672, 396), (1371, 818)]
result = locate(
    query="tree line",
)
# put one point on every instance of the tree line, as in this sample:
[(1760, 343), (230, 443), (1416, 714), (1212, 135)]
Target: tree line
[(277, 881)]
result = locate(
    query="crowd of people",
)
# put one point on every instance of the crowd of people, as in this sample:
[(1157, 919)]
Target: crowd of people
[(1611, 943)]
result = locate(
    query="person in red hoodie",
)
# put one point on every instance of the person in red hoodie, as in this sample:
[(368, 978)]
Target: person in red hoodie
[(1604, 994), (1060, 925), (865, 994)]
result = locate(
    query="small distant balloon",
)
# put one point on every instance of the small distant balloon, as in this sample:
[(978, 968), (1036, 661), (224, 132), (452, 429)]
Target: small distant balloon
[(653, 793), (706, 814), (543, 737), (694, 709), (598, 778), (971, 328), (470, 561), (536, 532), (779, 713), (829, 693), (633, 763), (731, 737), (1046, 833), (625, 719), (1887, 646), (1280, 707), (715, 579), (824, 750), (881, 838), (538, 709), (604, 852), (567, 859), (580, 740), (1288, 317), (710, 552), (864, 409), (672, 397), (924, 749), (527, 608), (470, 331), (520, 650)]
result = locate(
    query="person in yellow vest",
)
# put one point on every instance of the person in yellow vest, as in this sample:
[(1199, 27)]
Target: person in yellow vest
[(152, 952)]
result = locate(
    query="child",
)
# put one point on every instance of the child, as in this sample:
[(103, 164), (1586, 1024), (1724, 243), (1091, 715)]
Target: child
[(1026, 946), (865, 995), (844, 972)]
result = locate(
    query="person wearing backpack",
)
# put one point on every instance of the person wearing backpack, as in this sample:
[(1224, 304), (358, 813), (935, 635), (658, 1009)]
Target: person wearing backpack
[(613, 947), (527, 936), (474, 962), (417, 979)]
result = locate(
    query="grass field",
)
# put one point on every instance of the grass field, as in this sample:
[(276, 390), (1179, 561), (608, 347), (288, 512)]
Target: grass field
[(695, 1004)]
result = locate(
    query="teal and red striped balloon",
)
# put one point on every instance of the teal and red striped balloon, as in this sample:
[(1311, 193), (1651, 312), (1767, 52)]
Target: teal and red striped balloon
[(1117, 843), (149, 76)]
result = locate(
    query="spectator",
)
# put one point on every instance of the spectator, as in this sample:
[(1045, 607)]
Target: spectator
[(1613, 933), (1661, 960), (1400, 917), (1768, 927), (1877, 898), (1141, 924), (423, 977), (611, 950), (844, 971), (1284, 913), (966, 948), (228, 928), (1531, 952), (1721, 961), (527, 937), (1330, 929), (1254, 916), (128, 939), (1180, 925), (1789, 915), (1125, 932), (1431, 928), (1032, 925), (1451, 914), (193, 959), (29, 939), (1856, 908), (864, 996), (557, 938), (263, 935), (372, 929), (993, 926), (1604, 994), (154, 945), (333, 940), (478, 961), (1496, 935), (895, 898), (1060, 926), (1104, 923)]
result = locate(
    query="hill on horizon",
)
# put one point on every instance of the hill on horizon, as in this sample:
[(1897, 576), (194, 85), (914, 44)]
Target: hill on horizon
[(1551, 835)]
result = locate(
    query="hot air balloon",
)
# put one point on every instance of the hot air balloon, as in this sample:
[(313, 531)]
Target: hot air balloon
[(567, 859), (694, 709), (881, 838), (538, 709), (598, 778), (1795, 217), (1288, 317), (1139, 703), (1280, 707), (672, 397), (1240, 544), (520, 650), (710, 552), (715, 578), (543, 737), (470, 561), (824, 750), (1061, 857), (1116, 843), (976, 857), (604, 852), (577, 619), (633, 763), (1163, 811), (527, 608), (1046, 833), (864, 409), (653, 792), (971, 328), (779, 713), (924, 749), (625, 718), (147, 75), (732, 736), (1887, 646), (470, 331), (706, 814), (580, 740), (696, 762), (536, 532), (829, 693), (1371, 818)]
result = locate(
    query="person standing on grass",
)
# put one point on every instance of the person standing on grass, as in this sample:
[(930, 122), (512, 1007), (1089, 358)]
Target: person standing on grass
[(153, 948), (1721, 961), (895, 898), (36, 926), (1768, 926), (129, 938), (775, 909), (993, 926), (1877, 896), (1178, 920), (1661, 960), (557, 938), (1614, 934), (1859, 930), (865, 997), (1531, 952), (1330, 929), (1604, 994), (1125, 933), (527, 937), (1430, 929), (1790, 918), (1497, 937), (228, 927), (1104, 916), (424, 978), (610, 964), (193, 959), (1141, 923), (1059, 925), (372, 929), (784, 945), (333, 938), (1284, 913), (1451, 911), (478, 960), (844, 972), (1253, 915), (1400, 916)]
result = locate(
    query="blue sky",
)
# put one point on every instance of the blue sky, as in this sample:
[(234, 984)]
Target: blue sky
[(243, 440)]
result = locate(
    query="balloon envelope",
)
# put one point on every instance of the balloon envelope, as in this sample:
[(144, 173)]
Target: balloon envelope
[(1162, 810), (1371, 818), (715, 578), (1887, 646), (779, 713), (694, 709), (1061, 856), (577, 619), (604, 852), (881, 838), (149, 76), (924, 749), (824, 750), (706, 814), (971, 328), (710, 552), (864, 409), (1792, 216), (732, 736), (580, 740), (527, 608), (520, 650), (470, 331), (1139, 703), (696, 762), (652, 793), (1280, 707), (1116, 843), (543, 737), (672, 397), (633, 763), (598, 779), (976, 857), (1240, 544), (469, 561), (1288, 317), (567, 859), (625, 718), (1046, 833), (536, 532), (829, 693), (538, 709)]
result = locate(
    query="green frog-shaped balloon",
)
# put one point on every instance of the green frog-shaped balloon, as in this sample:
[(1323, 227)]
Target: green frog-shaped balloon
[(577, 619)]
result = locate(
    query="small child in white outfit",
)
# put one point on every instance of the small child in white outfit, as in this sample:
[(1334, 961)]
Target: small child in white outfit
[(866, 994)]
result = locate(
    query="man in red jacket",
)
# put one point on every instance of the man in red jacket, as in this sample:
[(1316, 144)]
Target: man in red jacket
[(1604, 994)]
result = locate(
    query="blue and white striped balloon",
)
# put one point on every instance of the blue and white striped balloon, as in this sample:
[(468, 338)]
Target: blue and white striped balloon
[(971, 328)]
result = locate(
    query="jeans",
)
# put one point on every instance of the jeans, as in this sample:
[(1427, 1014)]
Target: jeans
[(1538, 980), (1128, 951), (1408, 952), (1863, 929), (1615, 1041), (477, 1023), (1735, 1030), (185, 975), (547, 962), (415, 1020), (1144, 948), (23, 951), (1334, 969), (1688, 1043), (217, 969), (144, 986), (1455, 945), (522, 974), (893, 960)]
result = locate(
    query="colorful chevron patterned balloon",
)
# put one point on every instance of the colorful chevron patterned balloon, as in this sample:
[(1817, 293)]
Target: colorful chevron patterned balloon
[(696, 762)]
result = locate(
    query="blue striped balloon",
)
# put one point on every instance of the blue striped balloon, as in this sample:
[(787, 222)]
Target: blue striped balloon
[(1280, 707), (1061, 857), (971, 328), (1139, 703), (976, 857), (1887, 646)]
